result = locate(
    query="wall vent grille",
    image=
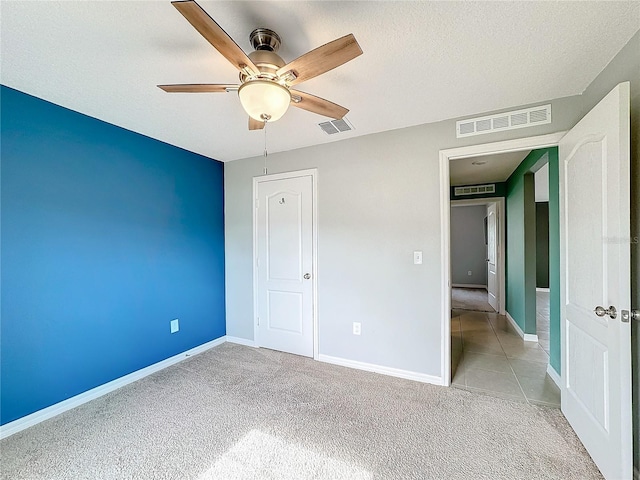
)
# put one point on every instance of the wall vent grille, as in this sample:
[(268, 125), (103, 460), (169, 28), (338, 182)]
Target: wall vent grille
[(527, 117), (474, 190), (336, 126)]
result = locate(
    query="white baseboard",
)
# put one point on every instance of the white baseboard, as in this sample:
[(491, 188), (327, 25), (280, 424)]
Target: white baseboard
[(84, 397), (554, 376), (53, 410), (527, 337), (541, 289), (468, 285), (370, 367), (241, 341)]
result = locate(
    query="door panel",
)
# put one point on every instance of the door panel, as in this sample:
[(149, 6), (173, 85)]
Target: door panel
[(285, 311), (284, 237), (588, 386), (594, 270), (586, 223), (284, 264)]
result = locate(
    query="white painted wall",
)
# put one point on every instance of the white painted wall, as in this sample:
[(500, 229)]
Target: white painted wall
[(541, 181), (378, 201), (468, 247)]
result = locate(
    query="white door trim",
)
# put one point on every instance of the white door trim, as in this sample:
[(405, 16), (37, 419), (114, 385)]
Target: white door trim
[(528, 143), (501, 235), (313, 173)]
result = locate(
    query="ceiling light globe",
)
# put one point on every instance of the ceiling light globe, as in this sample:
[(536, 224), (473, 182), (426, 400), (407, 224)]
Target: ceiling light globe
[(264, 99)]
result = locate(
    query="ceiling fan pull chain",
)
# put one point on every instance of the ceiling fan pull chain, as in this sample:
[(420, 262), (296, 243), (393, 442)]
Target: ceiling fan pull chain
[(265, 146)]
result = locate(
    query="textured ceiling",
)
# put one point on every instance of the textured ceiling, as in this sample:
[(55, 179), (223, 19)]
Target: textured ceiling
[(422, 62), (484, 169)]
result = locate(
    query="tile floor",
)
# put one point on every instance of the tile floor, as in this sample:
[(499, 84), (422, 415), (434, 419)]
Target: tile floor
[(542, 319), (489, 357)]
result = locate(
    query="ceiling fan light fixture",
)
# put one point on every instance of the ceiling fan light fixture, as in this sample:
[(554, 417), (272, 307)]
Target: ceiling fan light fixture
[(264, 99)]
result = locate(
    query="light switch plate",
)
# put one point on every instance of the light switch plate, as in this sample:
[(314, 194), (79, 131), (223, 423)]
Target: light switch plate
[(417, 257)]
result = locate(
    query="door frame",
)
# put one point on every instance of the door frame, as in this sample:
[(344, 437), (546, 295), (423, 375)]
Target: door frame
[(501, 201), (313, 173), (446, 155)]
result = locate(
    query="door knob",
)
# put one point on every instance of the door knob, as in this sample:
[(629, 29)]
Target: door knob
[(307, 276), (601, 311)]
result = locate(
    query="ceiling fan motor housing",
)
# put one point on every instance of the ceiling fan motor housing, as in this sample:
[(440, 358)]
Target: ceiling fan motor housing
[(266, 43), (265, 39), (268, 63)]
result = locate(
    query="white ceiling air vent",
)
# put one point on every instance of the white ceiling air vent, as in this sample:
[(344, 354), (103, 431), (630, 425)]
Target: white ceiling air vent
[(336, 126), (474, 190), (527, 117)]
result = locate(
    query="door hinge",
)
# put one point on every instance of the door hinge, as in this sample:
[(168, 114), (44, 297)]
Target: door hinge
[(258, 320), (257, 203)]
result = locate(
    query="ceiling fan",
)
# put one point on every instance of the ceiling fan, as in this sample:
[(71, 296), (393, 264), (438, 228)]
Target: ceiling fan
[(265, 80)]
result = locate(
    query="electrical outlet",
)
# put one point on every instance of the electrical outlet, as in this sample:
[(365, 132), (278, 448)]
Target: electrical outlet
[(356, 328), (469, 273), (175, 325)]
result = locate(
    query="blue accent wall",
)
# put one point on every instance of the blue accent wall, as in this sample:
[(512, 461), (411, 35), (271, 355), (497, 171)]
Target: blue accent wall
[(106, 236)]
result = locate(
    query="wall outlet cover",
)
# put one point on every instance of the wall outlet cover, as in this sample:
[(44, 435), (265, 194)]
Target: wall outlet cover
[(175, 325), (357, 328)]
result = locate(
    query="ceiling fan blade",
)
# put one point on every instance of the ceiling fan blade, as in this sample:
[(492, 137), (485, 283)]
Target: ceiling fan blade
[(322, 59), (255, 124), (198, 88), (215, 35), (318, 105)]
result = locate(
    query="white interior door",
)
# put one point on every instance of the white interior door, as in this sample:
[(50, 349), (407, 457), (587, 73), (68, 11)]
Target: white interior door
[(284, 264), (595, 271), (493, 285)]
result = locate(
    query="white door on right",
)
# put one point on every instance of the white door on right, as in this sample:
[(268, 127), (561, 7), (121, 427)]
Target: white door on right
[(492, 256), (595, 272)]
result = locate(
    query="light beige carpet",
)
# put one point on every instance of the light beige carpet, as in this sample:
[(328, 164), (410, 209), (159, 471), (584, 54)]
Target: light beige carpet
[(236, 412), (470, 299)]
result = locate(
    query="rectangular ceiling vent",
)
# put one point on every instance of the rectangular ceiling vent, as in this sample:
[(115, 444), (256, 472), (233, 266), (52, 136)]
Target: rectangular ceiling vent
[(474, 190), (527, 117), (336, 126)]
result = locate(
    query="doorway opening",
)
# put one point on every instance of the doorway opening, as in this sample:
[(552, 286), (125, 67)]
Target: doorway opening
[(477, 272), (476, 269), (486, 348)]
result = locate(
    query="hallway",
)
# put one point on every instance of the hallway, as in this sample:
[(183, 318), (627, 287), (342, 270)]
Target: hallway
[(542, 318), (489, 357)]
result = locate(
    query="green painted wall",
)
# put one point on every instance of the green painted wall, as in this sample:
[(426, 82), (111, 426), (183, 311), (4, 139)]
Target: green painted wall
[(521, 247), (515, 266), (554, 259)]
